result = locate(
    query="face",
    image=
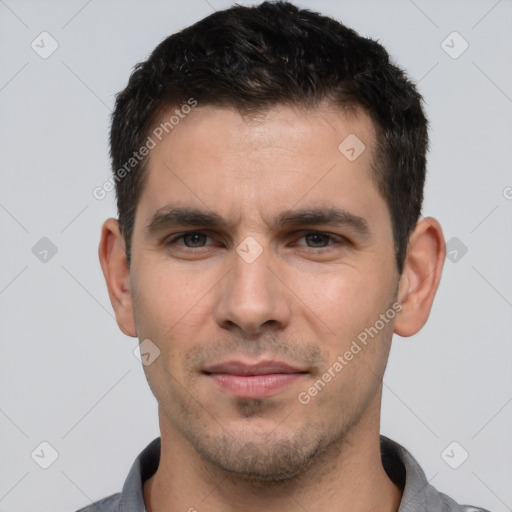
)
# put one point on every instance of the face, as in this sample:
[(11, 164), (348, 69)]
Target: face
[(262, 256)]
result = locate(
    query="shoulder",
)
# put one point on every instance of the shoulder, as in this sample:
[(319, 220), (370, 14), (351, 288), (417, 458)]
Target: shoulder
[(418, 494), (108, 504), (448, 504)]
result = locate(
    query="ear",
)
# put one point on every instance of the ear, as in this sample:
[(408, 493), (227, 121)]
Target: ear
[(420, 277), (111, 252)]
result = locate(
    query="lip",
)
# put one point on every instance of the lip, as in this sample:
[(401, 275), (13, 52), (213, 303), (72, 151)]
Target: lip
[(259, 380), (261, 368)]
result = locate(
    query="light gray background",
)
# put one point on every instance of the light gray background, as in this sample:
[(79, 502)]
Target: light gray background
[(69, 376)]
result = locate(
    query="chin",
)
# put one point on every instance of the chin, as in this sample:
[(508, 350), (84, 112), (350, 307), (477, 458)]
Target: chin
[(264, 459)]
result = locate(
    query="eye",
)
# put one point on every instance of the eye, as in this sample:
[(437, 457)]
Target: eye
[(195, 240), (319, 240), (190, 239)]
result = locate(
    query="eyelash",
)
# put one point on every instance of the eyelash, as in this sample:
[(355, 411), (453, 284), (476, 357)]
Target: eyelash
[(336, 238)]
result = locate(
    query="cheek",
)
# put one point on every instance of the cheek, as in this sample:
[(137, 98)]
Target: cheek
[(167, 296), (347, 299), (170, 311)]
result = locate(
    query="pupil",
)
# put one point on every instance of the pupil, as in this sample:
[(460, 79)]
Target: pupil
[(193, 238), (316, 238)]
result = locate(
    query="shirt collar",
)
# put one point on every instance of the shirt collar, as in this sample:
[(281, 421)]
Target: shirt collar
[(144, 467)]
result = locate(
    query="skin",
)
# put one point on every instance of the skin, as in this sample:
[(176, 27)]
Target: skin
[(303, 301)]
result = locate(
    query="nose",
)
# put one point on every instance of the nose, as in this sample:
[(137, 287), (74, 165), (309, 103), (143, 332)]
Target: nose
[(251, 297)]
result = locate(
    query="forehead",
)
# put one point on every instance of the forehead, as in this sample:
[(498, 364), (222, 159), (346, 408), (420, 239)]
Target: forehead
[(248, 166), (310, 133)]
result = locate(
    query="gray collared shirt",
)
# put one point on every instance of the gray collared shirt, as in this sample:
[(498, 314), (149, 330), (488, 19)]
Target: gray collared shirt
[(402, 468)]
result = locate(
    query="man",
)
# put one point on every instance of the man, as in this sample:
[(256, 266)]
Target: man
[(269, 166)]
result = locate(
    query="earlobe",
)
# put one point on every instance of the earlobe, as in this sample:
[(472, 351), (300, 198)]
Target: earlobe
[(111, 252), (420, 277)]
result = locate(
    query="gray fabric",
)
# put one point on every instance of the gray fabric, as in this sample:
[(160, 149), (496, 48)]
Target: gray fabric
[(402, 468)]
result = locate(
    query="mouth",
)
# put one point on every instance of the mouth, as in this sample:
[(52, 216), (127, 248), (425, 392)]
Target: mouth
[(259, 380)]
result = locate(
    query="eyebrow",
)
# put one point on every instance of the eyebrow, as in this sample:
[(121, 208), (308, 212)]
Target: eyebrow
[(325, 216), (170, 217)]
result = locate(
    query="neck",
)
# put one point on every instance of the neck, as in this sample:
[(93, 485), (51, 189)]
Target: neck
[(348, 476)]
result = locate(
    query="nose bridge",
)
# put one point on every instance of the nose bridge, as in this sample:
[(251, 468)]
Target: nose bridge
[(250, 269), (250, 296)]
